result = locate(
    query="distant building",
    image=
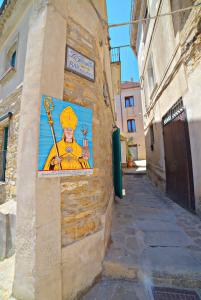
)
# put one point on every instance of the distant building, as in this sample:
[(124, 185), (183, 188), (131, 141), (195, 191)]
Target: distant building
[(129, 114), (169, 59)]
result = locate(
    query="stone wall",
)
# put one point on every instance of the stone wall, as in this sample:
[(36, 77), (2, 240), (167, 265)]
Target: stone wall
[(11, 159), (10, 104), (85, 198), (86, 201), (63, 223)]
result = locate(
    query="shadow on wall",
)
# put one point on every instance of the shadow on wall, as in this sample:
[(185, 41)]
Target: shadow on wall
[(173, 159)]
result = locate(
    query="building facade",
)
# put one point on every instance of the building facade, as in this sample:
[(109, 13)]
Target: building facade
[(169, 59), (53, 50), (129, 115), (12, 57)]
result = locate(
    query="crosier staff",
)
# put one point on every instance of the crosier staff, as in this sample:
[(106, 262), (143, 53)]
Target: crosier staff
[(49, 105)]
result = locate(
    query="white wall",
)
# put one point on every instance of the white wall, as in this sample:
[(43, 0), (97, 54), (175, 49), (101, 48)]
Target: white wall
[(123, 152), (166, 49), (18, 32), (192, 102)]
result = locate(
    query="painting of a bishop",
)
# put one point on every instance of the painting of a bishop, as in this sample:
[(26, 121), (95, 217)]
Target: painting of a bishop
[(67, 154)]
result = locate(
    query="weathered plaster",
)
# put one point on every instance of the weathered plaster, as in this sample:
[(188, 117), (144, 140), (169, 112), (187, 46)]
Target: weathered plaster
[(38, 242), (63, 224)]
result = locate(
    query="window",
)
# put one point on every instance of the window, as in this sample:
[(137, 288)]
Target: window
[(151, 75), (3, 149), (152, 137), (13, 60), (11, 57), (129, 101), (10, 63), (146, 95), (131, 125), (145, 23)]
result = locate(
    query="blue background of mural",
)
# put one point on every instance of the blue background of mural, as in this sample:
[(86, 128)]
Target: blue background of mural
[(84, 116)]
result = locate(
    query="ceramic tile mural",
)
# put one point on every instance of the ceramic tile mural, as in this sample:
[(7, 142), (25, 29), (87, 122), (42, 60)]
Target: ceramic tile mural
[(65, 145)]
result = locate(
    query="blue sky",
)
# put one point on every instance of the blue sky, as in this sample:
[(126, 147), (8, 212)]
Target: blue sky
[(118, 12)]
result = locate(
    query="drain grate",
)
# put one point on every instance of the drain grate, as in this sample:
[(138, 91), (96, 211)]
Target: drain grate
[(162, 293)]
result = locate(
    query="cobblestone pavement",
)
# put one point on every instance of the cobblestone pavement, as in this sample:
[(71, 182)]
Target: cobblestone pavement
[(153, 242), (116, 290)]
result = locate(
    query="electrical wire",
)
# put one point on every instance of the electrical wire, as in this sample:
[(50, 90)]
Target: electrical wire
[(196, 6)]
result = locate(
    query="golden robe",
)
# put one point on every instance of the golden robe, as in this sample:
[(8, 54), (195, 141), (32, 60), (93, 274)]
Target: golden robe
[(71, 157)]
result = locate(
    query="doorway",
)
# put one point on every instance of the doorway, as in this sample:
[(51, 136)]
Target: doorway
[(178, 162), (134, 151)]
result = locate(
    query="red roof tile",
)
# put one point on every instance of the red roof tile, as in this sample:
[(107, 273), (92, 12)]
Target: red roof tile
[(129, 85)]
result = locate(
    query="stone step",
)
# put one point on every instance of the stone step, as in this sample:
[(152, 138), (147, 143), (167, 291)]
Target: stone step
[(138, 171), (117, 289), (118, 270), (154, 242)]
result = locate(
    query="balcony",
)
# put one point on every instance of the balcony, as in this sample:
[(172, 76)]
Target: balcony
[(115, 55), (3, 5)]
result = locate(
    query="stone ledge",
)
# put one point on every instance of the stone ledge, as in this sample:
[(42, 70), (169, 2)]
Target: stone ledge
[(118, 270), (81, 264), (7, 229), (8, 207)]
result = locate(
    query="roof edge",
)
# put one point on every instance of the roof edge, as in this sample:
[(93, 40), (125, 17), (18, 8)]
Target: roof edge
[(130, 84), (136, 5)]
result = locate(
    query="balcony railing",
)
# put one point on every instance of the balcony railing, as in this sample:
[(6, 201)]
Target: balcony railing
[(3, 5), (115, 54)]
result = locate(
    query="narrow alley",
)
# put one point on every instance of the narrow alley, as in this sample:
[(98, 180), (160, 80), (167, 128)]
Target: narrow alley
[(100, 149), (154, 242)]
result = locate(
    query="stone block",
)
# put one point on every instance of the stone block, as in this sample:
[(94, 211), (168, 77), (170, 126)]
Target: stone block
[(119, 270), (81, 263), (7, 229), (2, 193)]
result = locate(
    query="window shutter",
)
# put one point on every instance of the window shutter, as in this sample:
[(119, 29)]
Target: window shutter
[(5, 145)]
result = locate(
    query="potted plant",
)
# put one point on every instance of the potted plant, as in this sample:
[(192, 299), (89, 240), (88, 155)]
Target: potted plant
[(129, 159)]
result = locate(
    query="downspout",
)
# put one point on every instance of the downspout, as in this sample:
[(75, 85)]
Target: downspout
[(120, 93)]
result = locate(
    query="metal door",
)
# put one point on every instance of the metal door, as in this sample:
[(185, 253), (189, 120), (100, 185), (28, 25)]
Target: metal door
[(179, 175), (117, 171)]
